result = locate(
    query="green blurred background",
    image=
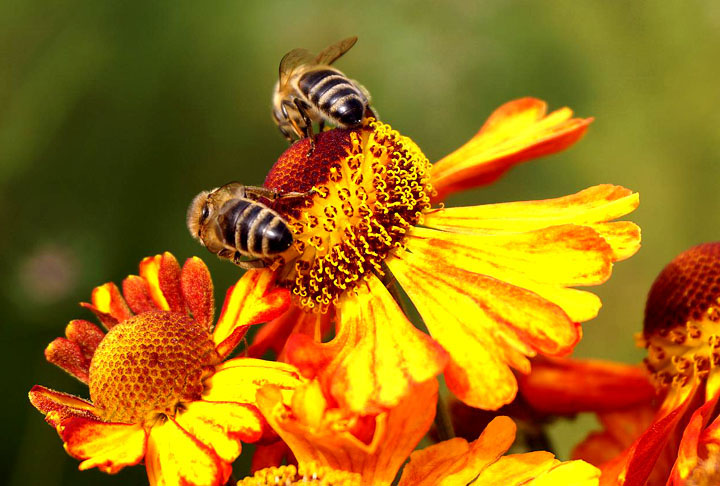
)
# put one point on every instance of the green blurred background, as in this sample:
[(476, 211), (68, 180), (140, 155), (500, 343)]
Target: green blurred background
[(113, 115)]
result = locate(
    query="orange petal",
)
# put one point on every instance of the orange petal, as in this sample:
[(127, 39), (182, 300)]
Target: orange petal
[(486, 326), (687, 458), (176, 457), (85, 334), (107, 299), (638, 461), (170, 284), (150, 272), (58, 406), (238, 380), (455, 461), (107, 446), (222, 425), (516, 132), (575, 473), (68, 356), (329, 439), (137, 294), (376, 356), (590, 207), (252, 300), (274, 334), (197, 291), (569, 386)]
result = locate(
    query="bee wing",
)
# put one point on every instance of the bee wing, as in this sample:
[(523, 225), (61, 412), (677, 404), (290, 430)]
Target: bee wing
[(330, 54), (291, 61)]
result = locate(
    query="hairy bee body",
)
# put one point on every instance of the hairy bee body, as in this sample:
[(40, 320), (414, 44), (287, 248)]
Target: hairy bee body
[(230, 222), (311, 91)]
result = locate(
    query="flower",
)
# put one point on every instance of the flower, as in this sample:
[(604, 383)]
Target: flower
[(680, 443), (491, 283), (331, 442), (161, 388)]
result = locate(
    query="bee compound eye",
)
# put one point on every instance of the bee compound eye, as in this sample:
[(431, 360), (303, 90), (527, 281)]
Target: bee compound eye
[(205, 213)]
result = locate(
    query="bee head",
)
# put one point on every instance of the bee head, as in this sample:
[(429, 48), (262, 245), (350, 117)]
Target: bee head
[(198, 213)]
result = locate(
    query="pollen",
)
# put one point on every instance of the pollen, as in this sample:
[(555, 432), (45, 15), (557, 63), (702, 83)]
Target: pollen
[(148, 365), (305, 474), (371, 185), (682, 318)]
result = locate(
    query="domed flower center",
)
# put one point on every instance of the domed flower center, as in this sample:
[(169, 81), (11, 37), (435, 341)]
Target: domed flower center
[(371, 185), (682, 317), (304, 474), (148, 365)]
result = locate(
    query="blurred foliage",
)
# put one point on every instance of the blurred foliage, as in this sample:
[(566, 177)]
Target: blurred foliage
[(114, 114)]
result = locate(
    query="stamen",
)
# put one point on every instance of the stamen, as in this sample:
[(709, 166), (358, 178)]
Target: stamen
[(305, 475)]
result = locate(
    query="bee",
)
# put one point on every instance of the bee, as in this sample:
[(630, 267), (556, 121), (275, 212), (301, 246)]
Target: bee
[(231, 222), (310, 91)]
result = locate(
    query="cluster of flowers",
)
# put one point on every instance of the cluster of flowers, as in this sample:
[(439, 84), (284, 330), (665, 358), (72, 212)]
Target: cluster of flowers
[(354, 386)]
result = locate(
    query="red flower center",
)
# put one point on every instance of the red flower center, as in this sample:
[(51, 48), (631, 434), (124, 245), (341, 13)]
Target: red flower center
[(682, 317), (148, 365), (371, 185)]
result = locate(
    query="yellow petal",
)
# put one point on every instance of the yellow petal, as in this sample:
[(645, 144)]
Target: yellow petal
[(331, 441), (175, 457), (486, 325), (572, 473), (150, 271), (222, 425), (516, 132), (455, 462), (376, 355), (107, 446), (238, 380), (252, 300)]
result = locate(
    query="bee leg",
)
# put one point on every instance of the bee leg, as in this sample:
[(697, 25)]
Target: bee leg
[(303, 108), (287, 107), (256, 192), (247, 264)]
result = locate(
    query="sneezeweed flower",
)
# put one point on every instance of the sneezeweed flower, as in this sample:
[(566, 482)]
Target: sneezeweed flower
[(161, 388), (680, 444), (342, 448), (491, 283)]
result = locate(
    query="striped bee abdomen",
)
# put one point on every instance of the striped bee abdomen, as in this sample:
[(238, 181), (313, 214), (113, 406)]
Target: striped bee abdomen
[(254, 229), (334, 95)]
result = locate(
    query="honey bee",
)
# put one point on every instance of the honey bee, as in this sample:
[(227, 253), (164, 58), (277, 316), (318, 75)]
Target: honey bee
[(231, 222), (310, 91)]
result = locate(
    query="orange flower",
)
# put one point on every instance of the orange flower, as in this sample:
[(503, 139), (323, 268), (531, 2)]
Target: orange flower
[(159, 388), (680, 444), (331, 442), (491, 283)]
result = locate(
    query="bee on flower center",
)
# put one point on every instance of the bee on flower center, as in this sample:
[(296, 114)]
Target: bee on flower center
[(231, 222), (311, 91)]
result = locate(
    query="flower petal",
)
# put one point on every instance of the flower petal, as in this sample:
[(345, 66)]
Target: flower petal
[(572, 473), (638, 461), (516, 132), (107, 299), (175, 457), (376, 356), (107, 446), (150, 272), (137, 294), (274, 334), (58, 406), (68, 356), (590, 207), (252, 300), (238, 380), (197, 291), (455, 461), (330, 441), (484, 324), (86, 335), (222, 425), (568, 386)]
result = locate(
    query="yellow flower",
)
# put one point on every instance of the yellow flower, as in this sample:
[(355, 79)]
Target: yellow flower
[(492, 283), (342, 448), (161, 390)]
